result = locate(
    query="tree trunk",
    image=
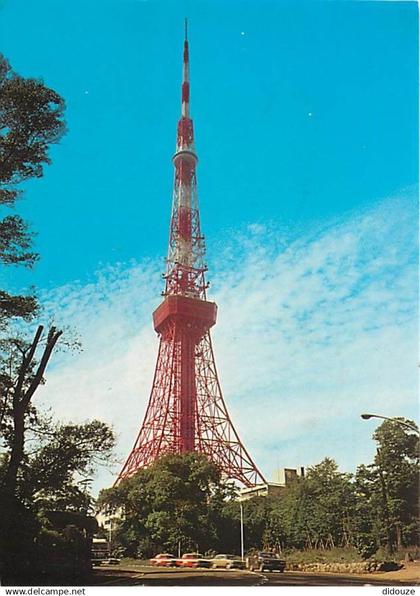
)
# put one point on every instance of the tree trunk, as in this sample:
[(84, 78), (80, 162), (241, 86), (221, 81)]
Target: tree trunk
[(398, 535), (16, 455), (21, 400)]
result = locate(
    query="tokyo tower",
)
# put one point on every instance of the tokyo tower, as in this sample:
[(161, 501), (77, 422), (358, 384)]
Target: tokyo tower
[(186, 411)]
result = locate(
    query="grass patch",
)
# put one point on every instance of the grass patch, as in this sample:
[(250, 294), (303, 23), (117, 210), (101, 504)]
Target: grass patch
[(135, 562), (334, 555), (408, 553)]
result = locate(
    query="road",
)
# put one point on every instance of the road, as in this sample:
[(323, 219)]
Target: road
[(147, 576)]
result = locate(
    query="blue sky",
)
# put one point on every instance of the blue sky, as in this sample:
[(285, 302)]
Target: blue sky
[(306, 128)]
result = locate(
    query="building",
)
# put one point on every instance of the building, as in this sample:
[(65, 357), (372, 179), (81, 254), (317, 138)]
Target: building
[(284, 478)]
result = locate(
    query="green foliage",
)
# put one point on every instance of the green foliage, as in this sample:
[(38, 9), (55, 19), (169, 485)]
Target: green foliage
[(15, 238), (37, 524), (24, 307), (322, 555), (327, 500), (64, 454), (42, 462), (178, 499), (314, 512), (31, 119), (368, 503), (388, 489), (326, 512), (255, 513), (43, 465), (366, 545), (59, 547)]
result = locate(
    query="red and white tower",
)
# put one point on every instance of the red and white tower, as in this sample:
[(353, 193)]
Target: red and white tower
[(186, 410)]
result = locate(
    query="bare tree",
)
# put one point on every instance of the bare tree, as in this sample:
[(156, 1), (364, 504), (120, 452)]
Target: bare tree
[(20, 391)]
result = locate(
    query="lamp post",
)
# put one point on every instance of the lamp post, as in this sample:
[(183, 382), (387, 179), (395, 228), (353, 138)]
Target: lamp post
[(396, 420)]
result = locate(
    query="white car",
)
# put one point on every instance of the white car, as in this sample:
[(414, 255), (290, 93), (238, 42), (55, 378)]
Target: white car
[(227, 562)]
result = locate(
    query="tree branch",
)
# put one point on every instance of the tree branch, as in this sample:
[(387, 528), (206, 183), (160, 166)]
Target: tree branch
[(52, 339), (26, 361)]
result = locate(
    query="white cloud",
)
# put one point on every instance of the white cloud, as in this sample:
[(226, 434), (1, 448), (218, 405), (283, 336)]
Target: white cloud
[(311, 332)]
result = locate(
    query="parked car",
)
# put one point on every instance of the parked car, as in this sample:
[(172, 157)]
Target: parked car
[(163, 560), (266, 561), (193, 560), (227, 562)]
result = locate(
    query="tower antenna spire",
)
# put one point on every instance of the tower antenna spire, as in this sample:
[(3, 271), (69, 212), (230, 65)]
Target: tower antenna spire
[(185, 101)]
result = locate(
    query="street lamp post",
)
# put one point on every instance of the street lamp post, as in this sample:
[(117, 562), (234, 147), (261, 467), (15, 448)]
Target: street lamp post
[(396, 420)]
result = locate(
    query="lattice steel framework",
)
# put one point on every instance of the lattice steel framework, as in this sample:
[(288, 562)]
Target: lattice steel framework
[(186, 410)]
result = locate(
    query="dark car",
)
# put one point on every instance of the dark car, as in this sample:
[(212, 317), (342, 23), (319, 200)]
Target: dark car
[(266, 561)]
